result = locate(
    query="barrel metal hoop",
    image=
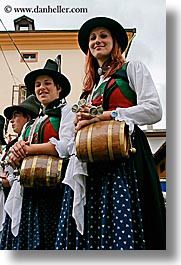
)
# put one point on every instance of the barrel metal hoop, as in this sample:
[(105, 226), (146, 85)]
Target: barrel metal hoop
[(22, 173), (89, 143), (49, 164), (32, 172), (77, 139), (59, 171), (122, 139), (110, 140)]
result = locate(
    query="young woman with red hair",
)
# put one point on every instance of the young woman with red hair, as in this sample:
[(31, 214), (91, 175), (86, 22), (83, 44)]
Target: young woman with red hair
[(115, 204)]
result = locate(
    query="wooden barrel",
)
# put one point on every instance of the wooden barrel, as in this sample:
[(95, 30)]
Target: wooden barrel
[(103, 141), (41, 171)]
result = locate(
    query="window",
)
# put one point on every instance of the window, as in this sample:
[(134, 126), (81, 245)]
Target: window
[(24, 28), (19, 94), (29, 57)]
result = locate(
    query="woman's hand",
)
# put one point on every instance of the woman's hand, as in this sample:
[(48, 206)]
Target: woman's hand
[(13, 161), (83, 114), (5, 181), (82, 123), (19, 149), (85, 118), (18, 152)]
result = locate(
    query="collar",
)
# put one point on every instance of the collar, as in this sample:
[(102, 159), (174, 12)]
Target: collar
[(53, 108)]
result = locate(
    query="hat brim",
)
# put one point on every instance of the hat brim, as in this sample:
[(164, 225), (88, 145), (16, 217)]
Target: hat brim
[(30, 78), (113, 26), (8, 112)]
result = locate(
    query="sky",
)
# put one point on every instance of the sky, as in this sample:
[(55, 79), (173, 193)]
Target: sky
[(148, 17)]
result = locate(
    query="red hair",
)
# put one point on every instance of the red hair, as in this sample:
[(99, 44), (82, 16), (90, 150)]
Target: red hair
[(117, 61)]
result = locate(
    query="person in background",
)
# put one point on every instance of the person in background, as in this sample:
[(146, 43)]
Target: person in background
[(2, 140), (18, 116), (51, 135), (116, 205), (2, 144), (2, 133)]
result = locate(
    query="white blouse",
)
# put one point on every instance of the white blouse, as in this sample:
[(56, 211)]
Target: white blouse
[(148, 109), (64, 146)]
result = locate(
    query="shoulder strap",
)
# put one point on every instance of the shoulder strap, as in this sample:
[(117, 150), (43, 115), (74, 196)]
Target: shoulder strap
[(30, 137), (121, 73)]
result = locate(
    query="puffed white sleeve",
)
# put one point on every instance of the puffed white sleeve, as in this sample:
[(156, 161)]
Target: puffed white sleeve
[(64, 145), (148, 109)]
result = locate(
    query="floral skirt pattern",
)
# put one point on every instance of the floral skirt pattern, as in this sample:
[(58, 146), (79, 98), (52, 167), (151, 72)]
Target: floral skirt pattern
[(113, 218), (39, 221)]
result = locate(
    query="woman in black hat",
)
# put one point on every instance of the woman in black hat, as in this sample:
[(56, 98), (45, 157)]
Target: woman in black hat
[(19, 116), (51, 134), (116, 204), (2, 123)]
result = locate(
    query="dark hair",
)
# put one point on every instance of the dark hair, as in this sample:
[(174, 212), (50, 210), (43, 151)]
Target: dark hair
[(25, 113)]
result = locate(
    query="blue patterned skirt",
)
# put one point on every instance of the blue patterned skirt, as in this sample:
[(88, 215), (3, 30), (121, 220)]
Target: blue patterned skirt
[(39, 221), (113, 217)]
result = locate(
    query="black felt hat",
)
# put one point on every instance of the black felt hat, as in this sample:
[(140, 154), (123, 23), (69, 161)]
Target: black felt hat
[(113, 26), (50, 69), (30, 106), (2, 122)]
